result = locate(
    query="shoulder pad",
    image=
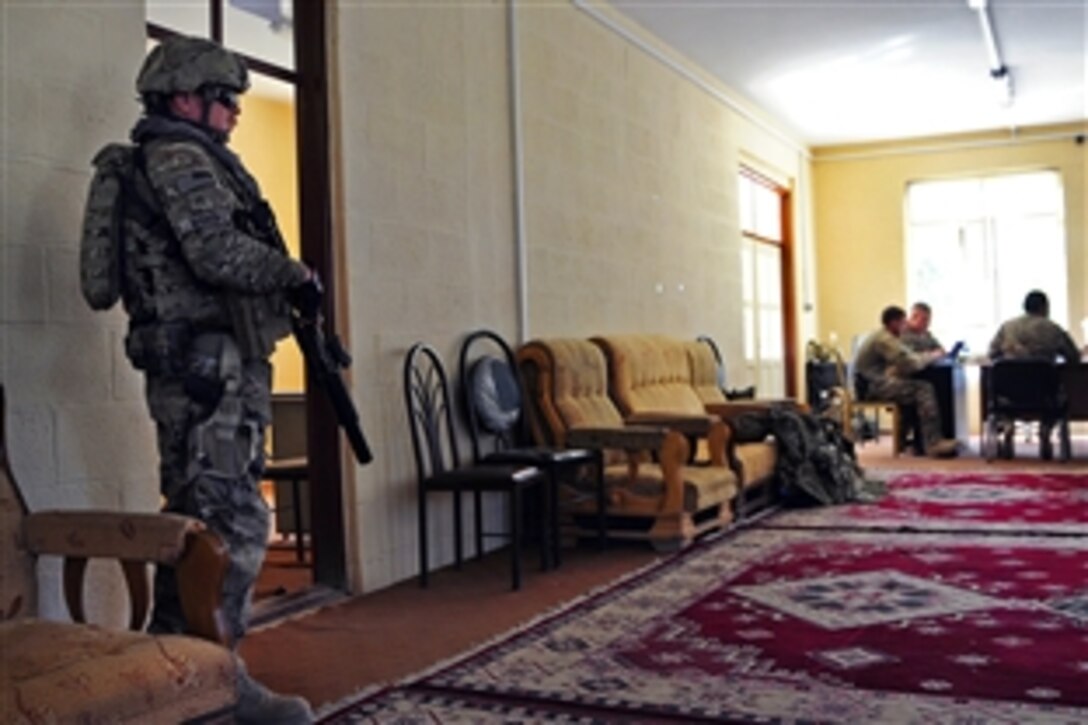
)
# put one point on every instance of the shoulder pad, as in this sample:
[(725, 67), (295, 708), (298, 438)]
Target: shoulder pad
[(113, 155)]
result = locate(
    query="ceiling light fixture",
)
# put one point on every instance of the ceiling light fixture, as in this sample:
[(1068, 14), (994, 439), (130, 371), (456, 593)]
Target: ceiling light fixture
[(999, 72)]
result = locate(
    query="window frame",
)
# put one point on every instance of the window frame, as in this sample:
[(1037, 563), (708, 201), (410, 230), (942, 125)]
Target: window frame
[(785, 244)]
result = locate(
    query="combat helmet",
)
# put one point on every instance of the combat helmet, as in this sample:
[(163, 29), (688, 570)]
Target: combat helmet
[(183, 64)]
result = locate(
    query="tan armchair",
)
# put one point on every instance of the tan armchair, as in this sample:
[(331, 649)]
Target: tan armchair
[(650, 492), (654, 376), (62, 672)]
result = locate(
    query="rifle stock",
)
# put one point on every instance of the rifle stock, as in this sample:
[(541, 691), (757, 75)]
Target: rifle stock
[(325, 358)]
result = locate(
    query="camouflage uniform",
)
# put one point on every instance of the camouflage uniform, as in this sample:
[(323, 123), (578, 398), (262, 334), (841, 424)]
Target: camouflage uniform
[(919, 341), (1033, 336), (886, 364), (204, 275)]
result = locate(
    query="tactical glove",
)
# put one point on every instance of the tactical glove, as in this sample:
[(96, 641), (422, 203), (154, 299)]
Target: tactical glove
[(306, 297)]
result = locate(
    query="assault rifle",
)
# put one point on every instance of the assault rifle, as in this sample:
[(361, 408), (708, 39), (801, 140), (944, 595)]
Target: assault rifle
[(325, 358)]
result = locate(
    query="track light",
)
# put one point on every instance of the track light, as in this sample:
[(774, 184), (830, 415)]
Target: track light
[(999, 72)]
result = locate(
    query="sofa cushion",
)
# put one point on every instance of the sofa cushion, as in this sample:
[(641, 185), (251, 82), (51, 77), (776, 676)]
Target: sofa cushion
[(581, 385), (757, 460), (704, 486), (61, 672), (650, 373), (704, 372)]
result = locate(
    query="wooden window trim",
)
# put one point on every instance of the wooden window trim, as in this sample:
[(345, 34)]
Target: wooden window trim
[(789, 296)]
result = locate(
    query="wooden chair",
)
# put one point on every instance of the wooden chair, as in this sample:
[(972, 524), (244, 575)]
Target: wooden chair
[(439, 467), (122, 676), (289, 470), (494, 406)]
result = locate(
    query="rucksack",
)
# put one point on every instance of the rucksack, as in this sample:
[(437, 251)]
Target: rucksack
[(101, 248), (119, 193)]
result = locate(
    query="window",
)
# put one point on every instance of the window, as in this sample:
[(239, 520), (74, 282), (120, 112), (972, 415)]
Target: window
[(976, 246), (764, 264)]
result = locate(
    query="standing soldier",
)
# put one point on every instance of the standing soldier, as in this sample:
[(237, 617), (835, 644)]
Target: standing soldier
[(1033, 335), (207, 284), (885, 365)]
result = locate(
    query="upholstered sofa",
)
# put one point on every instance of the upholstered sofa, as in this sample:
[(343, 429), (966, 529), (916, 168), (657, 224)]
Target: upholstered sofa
[(651, 492), (651, 376), (72, 672)]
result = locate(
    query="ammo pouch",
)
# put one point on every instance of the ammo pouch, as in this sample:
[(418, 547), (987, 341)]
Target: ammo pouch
[(227, 443), (159, 348)]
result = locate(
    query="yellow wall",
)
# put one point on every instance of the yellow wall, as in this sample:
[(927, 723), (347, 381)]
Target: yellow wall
[(859, 215), (265, 139)]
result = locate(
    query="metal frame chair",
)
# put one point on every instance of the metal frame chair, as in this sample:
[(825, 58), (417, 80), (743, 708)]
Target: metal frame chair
[(748, 393), (438, 461), (511, 440), (1025, 390)]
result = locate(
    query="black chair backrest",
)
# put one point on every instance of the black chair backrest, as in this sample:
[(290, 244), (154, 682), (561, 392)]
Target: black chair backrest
[(1024, 387), (820, 379), (426, 394), (492, 393), (708, 340)]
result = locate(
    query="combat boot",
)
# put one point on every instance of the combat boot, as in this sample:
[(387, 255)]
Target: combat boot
[(944, 448), (258, 704)]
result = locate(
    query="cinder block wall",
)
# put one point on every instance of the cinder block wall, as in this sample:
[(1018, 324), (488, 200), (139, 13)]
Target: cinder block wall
[(630, 183), (79, 432), (426, 217)]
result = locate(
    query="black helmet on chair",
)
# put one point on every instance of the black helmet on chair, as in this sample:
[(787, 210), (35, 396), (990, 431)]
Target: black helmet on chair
[(184, 64)]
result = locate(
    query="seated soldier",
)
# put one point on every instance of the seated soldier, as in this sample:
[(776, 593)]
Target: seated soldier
[(916, 335), (1033, 335), (886, 365)]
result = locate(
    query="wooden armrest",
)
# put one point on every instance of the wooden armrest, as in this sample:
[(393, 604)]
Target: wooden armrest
[(629, 438), (732, 409), (134, 540), (159, 538), (689, 425)]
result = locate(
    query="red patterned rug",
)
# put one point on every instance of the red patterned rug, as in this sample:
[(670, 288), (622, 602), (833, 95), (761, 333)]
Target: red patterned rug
[(979, 501), (793, 625)]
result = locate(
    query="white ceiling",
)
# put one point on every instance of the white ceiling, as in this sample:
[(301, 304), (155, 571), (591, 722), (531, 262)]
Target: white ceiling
[(840, 71)]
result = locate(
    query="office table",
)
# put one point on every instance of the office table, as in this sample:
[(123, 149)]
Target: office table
[(949, 381)]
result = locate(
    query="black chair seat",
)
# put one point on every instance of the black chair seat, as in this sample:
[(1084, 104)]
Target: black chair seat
[(484, 478), (540, 456)]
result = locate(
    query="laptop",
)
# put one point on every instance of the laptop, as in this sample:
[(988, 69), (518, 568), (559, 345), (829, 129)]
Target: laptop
[(954, 353)]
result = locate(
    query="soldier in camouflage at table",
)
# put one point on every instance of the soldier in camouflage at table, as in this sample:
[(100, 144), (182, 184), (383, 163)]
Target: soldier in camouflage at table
[(916, 335), (207, 284), (1033, 335), (886, 365)]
